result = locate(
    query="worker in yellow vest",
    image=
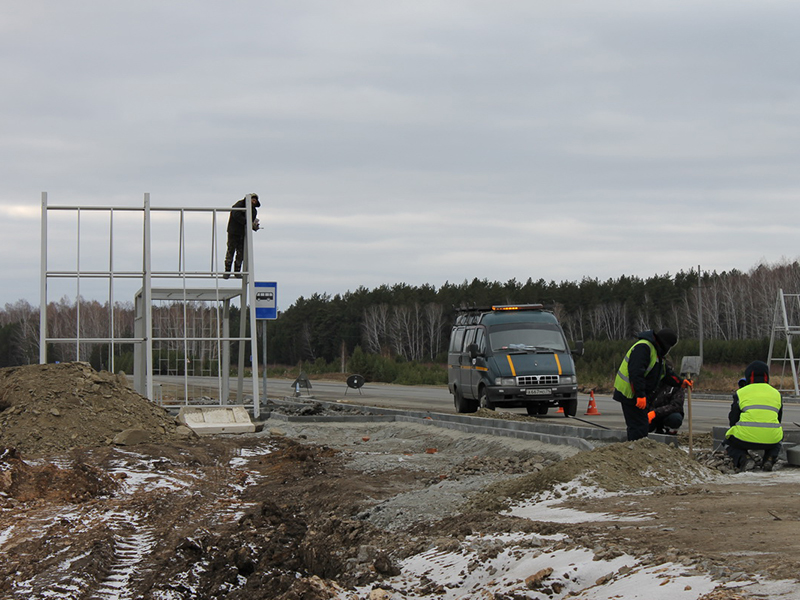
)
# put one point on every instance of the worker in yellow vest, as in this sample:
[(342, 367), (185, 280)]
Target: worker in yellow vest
[(642, 371), (755, 420)]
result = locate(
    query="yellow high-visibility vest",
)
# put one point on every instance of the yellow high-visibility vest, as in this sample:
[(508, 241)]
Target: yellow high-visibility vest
[(758, 423), (622, 381)]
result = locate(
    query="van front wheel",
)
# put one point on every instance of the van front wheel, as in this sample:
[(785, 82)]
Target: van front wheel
[(462, 404), (570, 407), (484, 400)]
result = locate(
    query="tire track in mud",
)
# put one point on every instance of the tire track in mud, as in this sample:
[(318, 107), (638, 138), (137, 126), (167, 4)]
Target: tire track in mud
[(232, 473), (130, 549), (120, 541), (114, 548), (121, 534), (135, 540)]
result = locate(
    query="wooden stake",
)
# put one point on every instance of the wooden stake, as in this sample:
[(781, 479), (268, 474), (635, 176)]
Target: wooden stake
[(689, 400)]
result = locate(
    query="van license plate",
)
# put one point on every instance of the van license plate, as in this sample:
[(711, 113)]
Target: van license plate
[(538, 392)]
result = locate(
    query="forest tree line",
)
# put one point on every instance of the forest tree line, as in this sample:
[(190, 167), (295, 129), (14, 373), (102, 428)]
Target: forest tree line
[(413, 323)]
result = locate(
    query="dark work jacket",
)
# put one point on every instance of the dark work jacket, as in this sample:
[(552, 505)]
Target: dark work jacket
[(646, 385), (237, 222), (668, 401)]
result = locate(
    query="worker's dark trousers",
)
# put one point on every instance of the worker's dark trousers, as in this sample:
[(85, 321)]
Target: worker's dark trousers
[(672, 422), (737, 450), (635, 420), (235, 249)]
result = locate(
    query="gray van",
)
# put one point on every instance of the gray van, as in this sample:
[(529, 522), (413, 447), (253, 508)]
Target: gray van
[(511, 356)]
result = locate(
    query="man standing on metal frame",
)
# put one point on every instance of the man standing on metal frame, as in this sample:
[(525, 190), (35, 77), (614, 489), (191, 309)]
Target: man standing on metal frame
[(237, 230)]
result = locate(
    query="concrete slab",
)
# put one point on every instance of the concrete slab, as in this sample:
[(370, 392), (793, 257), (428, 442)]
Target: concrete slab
[(793, 455), (216, 419)]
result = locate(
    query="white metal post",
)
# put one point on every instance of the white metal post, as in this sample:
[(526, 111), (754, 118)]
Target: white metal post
[(111, 367), (222, 380), (78, 289), (139, 370), (225, 368), (251, 297), (182, 271), (43, 286), (242, 330), (148, 300)]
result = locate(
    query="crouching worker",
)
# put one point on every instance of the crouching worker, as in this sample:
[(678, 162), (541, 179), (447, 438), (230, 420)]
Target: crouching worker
[(755, 420), (666, 414)]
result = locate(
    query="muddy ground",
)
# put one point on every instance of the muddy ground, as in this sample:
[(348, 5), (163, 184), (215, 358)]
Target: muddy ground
[(336, 510)]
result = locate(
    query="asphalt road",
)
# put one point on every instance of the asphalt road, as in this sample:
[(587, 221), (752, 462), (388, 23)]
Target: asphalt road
[(705, 413)]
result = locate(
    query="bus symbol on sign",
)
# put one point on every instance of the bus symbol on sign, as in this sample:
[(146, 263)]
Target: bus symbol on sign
[(265, 296)]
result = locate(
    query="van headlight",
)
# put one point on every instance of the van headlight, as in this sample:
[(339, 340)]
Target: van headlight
[(569, 379), (505, 381)]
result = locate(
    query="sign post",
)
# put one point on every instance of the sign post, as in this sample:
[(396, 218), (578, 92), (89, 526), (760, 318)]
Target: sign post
[(266, 309), (690, 369)]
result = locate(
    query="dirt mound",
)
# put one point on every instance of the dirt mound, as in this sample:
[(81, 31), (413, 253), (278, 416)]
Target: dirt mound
[(24, 482), (47, 409), (617, 467)]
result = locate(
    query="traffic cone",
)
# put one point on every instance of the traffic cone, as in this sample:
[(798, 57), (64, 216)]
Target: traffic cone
[(592, 410), (560, 410)]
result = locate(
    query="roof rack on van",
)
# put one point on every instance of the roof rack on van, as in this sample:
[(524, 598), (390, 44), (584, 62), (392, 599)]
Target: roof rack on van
[(499, 307)]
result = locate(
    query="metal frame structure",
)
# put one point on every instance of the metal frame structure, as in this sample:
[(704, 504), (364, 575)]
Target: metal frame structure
[(781, 326), (217, 335), (204, 285)]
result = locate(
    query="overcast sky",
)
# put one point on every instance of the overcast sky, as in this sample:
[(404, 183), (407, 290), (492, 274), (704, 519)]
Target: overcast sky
[(420, 141)]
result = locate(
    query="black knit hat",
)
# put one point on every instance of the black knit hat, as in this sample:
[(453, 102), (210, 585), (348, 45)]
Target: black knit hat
[(667, 338), (757, 372)]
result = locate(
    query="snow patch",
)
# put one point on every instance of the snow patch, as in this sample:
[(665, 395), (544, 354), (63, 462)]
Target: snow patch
[(140, 474), (243, 454), (543, 506), (5, 534), (522, 565)]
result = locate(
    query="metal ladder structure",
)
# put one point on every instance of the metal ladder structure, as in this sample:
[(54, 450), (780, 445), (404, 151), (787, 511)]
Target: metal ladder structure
[(787, 307), (94, 250)]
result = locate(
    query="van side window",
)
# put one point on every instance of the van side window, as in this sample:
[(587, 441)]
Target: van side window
[(469, 337), (480, 340), (457, 340)]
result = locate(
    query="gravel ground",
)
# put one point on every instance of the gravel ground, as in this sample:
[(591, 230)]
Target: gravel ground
[(461, 464)]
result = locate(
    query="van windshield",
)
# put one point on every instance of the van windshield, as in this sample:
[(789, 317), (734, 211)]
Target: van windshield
[(526, 339)]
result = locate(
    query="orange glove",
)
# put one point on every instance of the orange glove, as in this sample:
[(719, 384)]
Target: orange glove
[(650, 416), (641, 403), (687, 383)]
